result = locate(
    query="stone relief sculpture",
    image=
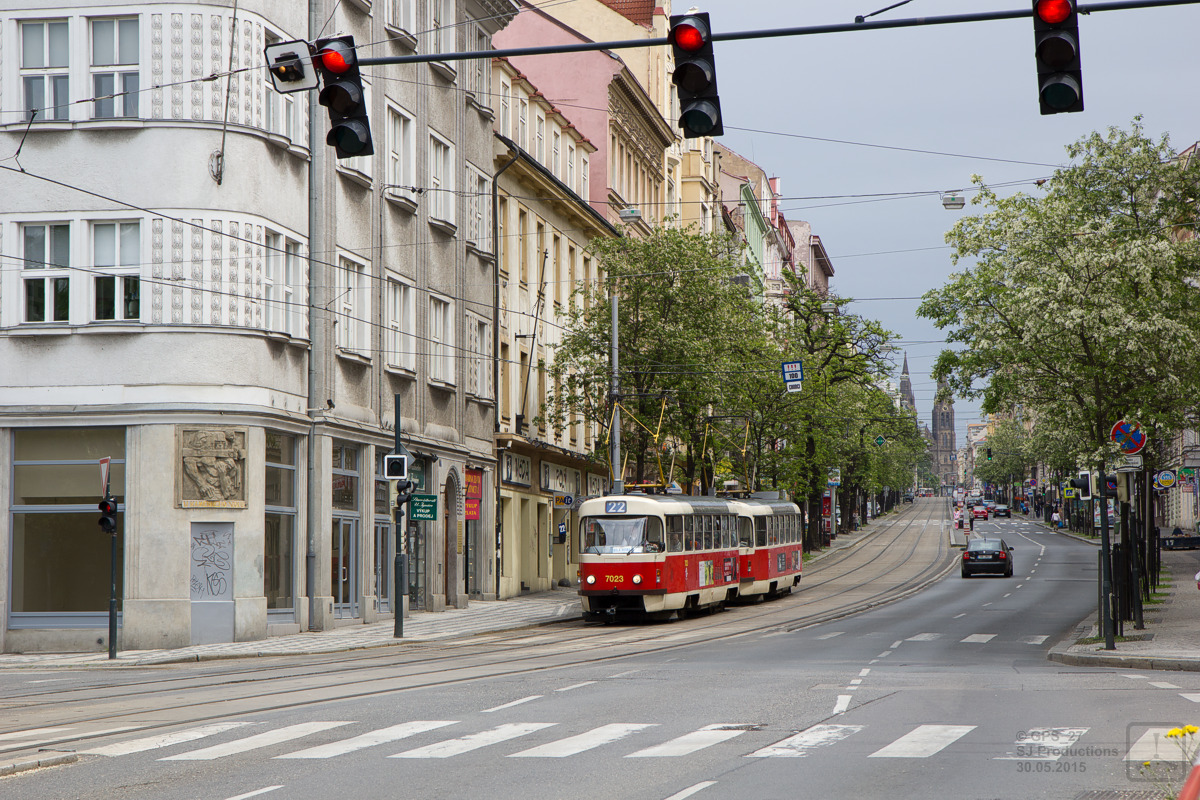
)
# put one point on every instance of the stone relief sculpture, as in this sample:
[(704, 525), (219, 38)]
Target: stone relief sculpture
[(212, 467)]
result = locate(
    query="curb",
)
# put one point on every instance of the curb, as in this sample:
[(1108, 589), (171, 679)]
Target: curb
[(37, 763)]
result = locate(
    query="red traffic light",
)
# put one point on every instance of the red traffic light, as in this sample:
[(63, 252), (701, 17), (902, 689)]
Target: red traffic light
[(690, 35), (1054, 12), (108, 506), (337, 57)]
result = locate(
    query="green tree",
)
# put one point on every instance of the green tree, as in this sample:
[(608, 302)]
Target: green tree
[(1080, 303)]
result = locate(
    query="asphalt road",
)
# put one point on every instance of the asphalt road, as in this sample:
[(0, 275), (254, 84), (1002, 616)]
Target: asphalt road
[(944, 693)]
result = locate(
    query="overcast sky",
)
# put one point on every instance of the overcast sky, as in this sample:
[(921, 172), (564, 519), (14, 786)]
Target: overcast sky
[(963, 89)]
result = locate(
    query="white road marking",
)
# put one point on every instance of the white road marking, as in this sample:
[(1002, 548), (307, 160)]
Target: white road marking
[(103, 732), (1043, 744), (32, 733), (573, 745), (624, 674), (48, 680), (985, 605), (256, 792), (1195, 698), (958, 616), (924, 741), (856, 682), (1034, 639), (510, 705), (691, 742), (896, 644), (979, 638), (1134, 677), (255, 742), (474, 741), (1163, 685), (924, 637), (369, 739), (884, 654), (163, 740), (831, 635), (1007, 595), (1019, 585), (843, 703), (691, 790), (575, 686), (800, 744), (1147, 747), (864, 673)]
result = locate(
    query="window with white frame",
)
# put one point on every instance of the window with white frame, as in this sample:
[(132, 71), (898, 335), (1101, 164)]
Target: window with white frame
[(523, 124), (401, 15), (117, 252), (400, 337), (45, 275), (281, 266), (294, 298), (479, 366), (441, 340), (480, 77), (45, 63), (505, 109), (584, 190), (556, 146), (480, 203), (441, 26), (570, 176), (115, 58), (441, 179), (539, 151), (279, 110), (402, 152), (349, 304)]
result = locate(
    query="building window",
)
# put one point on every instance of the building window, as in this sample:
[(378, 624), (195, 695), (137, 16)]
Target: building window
[(280, 277), (279, 110), (505, 109), (350, 306), (523, 124), (480, 74), (46, 250), (441, 26), (441, 341), (117, 250), (479, 368), (115, 57), (556, 260), (384, 547), (502, 248), (479, 231), (400, 345), (584, 178), (400, 15), (441, 179), (279, 541), (45, 59), (555, 166), (540, 140), (523, 246), (402, 153), (570, 176), (59, 561)]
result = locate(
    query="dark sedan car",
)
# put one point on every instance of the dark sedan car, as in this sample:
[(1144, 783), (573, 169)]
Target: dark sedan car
[(1002, 511), (987, 556)]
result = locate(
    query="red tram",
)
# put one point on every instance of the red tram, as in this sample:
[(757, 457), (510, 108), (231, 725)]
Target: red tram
[(656, 555)]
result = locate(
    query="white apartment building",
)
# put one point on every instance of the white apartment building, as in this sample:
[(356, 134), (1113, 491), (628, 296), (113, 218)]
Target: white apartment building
[(190, 289)]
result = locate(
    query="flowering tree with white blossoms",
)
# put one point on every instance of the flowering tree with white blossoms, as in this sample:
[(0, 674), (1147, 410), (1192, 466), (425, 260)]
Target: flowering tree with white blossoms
[(1081, 303)]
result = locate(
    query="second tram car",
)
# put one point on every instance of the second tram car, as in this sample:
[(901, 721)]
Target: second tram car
[(656, 555)]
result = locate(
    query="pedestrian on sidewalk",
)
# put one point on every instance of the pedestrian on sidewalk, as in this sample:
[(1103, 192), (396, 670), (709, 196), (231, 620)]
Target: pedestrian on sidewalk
[(1055, 520)]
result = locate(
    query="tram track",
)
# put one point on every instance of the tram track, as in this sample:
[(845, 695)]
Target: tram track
[(164, 702)]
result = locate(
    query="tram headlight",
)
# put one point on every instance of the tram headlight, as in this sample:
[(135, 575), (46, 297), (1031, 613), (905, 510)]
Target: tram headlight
[(637, 579), (591, 579)]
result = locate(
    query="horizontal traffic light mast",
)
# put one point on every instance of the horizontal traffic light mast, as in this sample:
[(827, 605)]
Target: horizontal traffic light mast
[(770, 33)]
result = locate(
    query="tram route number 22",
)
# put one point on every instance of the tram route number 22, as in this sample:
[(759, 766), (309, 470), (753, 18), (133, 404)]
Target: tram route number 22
[(616, 507)]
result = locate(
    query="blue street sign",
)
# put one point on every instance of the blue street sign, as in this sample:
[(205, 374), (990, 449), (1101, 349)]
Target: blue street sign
[(793, 371)]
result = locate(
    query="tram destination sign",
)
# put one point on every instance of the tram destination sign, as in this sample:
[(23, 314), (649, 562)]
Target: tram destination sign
[(423, 508)]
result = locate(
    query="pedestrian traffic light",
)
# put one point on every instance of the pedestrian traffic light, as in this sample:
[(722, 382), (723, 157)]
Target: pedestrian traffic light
[(342, 93), (1056, 36), (404, 493), (695, 76), (1084, 484), (108, 514), (395, 467)]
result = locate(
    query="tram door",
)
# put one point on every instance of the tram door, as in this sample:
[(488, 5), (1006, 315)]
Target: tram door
[(345, 567)]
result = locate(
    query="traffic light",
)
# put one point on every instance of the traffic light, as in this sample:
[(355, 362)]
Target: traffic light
[(342, 93), (1056, 34), (1084, 484), (395, 467), (108, 514), (989, 454), (695, 76), (404, 492)]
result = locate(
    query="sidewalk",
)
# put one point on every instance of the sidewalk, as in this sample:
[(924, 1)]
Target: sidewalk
[(542, 608), (1171, 638)]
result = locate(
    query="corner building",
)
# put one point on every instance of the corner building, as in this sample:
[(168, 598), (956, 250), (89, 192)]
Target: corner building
[(228, 313)]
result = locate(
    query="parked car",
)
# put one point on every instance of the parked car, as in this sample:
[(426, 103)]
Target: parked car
[(980, 512), (1002, 511), (992, 556), (908, 497)]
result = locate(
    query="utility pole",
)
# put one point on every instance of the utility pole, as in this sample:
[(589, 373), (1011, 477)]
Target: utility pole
[(618, 482)]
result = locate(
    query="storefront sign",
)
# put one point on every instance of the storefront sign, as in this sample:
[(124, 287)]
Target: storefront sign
[(597, 485), (560, 479), (474, 496), (518, 470), (423, 507)]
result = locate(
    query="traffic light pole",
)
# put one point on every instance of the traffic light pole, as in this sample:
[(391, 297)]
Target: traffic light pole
[(1106, 616), (400, 566), (853, 27)]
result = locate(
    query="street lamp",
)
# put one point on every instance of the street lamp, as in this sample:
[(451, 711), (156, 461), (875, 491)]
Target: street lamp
[(953, 201), (829, 307)]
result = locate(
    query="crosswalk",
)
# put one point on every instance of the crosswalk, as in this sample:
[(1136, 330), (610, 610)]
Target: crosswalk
[(437, 739)]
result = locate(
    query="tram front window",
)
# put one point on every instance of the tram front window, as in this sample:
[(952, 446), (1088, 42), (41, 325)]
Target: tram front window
[(609, 535)]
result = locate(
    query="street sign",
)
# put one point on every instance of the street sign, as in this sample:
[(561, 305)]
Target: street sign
[(1128, 436), (104, 464), (563, 500), (1069, 493), (1166, 478), (794, 386), (835, 476), (423, 507), (879, 440), (793, 371), (290, 67)]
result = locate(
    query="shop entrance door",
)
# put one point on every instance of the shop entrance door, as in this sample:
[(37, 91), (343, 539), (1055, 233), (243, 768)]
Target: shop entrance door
[(345, 567)]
